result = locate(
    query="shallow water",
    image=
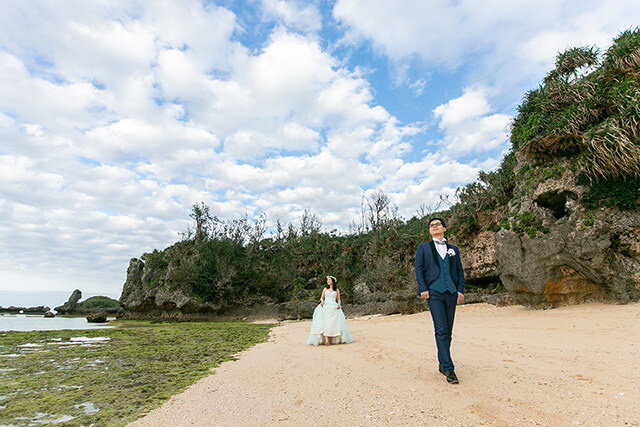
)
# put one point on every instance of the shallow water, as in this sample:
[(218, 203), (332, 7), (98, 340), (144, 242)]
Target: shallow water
[(32, 322)]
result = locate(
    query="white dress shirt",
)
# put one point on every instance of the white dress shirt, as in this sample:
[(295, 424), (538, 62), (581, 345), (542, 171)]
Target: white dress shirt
[(441, 247)]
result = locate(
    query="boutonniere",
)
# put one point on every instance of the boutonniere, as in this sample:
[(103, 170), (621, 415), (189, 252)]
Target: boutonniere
[(451, 252)]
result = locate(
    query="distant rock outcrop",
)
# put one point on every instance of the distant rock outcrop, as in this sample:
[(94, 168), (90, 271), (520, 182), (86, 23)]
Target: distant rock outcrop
[(161, 302), (400, 302), (96, 304), (70, 306), (41, 309)]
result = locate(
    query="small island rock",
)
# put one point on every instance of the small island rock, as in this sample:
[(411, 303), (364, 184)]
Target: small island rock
[(97, 318)]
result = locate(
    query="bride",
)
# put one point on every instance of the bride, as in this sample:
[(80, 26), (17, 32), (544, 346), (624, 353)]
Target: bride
[(329, 323)]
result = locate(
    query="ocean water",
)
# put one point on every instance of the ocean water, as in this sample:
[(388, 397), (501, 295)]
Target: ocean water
[(28, 322)]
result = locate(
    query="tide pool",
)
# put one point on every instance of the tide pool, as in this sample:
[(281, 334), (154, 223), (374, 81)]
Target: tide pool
[(32, 322)]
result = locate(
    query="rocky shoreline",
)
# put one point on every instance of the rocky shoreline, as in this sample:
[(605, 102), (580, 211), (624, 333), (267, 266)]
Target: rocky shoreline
[(95, 308), (41, 309), (401, 302)]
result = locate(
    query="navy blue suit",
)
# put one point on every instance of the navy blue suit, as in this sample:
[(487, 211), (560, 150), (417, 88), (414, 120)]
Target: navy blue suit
[(428, 269), (442, 302)]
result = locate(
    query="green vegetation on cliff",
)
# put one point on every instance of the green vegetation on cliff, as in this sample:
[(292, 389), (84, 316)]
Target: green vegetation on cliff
[(586, 115), (589, 109), (231, 263), (98, 302)]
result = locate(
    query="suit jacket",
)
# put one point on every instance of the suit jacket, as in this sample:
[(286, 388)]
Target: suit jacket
[(428, 269)]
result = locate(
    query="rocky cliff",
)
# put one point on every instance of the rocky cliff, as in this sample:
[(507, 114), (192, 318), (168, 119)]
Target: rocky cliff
[(146, 296), (553, 250)]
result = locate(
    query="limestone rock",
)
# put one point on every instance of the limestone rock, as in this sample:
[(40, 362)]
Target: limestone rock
[(403, 302), (577, 256), (49, 314), (36, 310), (505, 300), (70, 305), (160, 301), (479, 258), (499, 299), (41, 309), (97, 318)]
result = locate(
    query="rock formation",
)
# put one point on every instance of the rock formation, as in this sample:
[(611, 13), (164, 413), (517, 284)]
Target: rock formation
[(96, 304), (70, 306), (572, 255), (97, 318), (41, 309), (549, 250), (160, 301)]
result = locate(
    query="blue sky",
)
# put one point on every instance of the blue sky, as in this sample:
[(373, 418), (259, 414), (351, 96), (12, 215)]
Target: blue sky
[(117, 116)]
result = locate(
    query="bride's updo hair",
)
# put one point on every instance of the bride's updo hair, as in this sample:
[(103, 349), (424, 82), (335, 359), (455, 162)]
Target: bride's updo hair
[(334, 281)]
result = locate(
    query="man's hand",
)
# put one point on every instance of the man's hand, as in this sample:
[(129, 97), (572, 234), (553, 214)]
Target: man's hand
[(424, 295), (460, 298)]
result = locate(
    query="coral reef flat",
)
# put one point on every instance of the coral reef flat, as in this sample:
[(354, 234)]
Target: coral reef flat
[(110, 376)]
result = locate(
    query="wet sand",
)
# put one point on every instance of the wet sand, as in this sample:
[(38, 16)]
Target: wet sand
[(576, 365)]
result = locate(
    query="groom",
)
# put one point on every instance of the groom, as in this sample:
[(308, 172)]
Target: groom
[(441, 282)]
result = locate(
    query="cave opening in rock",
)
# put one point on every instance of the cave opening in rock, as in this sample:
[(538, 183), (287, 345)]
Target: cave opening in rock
[(555, 201), (490, 283)]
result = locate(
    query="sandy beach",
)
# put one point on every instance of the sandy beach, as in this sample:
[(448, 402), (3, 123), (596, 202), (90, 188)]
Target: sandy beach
[(576, 365)]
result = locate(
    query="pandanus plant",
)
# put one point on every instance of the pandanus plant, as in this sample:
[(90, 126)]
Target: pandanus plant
[(587, 108)]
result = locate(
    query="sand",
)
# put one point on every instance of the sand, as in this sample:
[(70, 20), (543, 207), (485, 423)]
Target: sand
[(576, 365)]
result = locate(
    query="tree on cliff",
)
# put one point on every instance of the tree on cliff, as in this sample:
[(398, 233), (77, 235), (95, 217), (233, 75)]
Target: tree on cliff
[(201, 215)]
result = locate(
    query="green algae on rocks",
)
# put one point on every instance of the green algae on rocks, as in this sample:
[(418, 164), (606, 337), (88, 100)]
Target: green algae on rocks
[(110, 376)]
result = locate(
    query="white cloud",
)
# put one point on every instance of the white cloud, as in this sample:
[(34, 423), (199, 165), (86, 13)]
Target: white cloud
[(20, 179), (467, 125), (470, 105), (418, 86), (151, 140), (503, 42), (34, 98), (295, 14)]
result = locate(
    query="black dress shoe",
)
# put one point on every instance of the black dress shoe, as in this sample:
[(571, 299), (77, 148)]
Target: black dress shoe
[(451, 376), (441, 370)]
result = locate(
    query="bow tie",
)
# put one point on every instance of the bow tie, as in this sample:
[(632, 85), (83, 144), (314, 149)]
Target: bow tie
[(439, 243)]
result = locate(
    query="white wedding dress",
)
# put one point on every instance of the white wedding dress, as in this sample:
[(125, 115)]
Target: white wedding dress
[(329, 321)]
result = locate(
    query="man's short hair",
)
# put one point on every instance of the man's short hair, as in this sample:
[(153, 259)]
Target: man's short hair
[(437, 219)]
